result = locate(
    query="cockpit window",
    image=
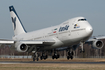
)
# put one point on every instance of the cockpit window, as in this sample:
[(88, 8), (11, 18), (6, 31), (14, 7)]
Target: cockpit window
[(82, 20)]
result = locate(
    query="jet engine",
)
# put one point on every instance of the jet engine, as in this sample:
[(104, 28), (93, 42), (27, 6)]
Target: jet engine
[(21, 47), (97, 44)]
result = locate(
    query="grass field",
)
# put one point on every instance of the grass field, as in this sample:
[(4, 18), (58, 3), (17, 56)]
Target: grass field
[(52, 67), (49, 66)]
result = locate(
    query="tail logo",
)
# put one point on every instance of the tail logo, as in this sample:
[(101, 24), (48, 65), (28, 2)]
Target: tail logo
[(14, 22)]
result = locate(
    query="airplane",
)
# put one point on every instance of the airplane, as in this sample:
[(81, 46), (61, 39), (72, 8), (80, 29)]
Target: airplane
[(73, 32)]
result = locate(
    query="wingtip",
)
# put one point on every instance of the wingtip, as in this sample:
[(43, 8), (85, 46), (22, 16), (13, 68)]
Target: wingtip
[(11, 7)]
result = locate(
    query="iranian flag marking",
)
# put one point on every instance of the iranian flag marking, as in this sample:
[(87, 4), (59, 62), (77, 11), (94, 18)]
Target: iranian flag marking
[(54, 32)]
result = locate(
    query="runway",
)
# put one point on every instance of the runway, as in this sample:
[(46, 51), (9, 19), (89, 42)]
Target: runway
[(47, 62), (51, 61)]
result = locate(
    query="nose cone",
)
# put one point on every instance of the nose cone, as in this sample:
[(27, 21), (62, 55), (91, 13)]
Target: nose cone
[(89, 30)]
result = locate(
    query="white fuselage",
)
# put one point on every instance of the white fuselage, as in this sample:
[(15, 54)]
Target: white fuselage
[(68, 33)]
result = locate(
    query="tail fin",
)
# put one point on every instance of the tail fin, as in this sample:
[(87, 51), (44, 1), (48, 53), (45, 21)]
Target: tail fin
[(17, 24)]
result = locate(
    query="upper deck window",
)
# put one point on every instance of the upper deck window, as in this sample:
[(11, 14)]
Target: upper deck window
[(82, 20)]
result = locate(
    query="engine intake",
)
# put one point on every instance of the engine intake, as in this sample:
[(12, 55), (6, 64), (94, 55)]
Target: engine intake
[(97, 44), (21, 47)]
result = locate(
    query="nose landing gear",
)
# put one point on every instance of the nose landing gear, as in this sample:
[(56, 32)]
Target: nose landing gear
[(82, 50)]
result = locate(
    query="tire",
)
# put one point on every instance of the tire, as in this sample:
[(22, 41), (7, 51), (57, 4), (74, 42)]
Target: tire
[(37, 59), (46, 56), (72, 53), (34, 59), (52, 57), (71, 57), (40, 57), (58, 55), (68, 57)]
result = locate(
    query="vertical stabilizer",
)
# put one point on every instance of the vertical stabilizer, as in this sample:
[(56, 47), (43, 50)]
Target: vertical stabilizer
[(17, 24)]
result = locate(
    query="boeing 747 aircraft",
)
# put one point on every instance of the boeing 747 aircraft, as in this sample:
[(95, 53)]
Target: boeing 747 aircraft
[(75, 31)]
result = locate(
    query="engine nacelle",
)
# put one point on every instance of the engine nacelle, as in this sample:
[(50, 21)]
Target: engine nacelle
[(20, 47), (97, 44)]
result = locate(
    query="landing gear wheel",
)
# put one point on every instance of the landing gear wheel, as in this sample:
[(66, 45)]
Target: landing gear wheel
[(46, 56), (58, 56), (37, 59), (72, 53), (43, 57), (68, 57), (40, 57), (52, 57), (71, 57), (55, 56), (33, 58)]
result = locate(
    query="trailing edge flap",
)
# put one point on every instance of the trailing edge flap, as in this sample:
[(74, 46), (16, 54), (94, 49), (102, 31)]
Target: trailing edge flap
[(39, 42), (34, 42)]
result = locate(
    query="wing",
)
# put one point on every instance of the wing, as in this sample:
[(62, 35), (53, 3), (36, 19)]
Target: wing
[(6, 41), (30, 42), (27, 45), (96, 38), (96, 42)]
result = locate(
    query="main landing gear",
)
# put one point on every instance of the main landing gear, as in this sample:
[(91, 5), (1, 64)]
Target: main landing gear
[(70, 55), (43, 56), (56, 55), (35, 56)]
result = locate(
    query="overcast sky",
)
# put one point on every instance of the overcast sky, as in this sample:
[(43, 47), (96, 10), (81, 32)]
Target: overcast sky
[(38, 14)]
